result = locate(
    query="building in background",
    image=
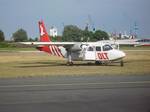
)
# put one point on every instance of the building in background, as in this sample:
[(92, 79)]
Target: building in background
[(121, 36), (53, 32)]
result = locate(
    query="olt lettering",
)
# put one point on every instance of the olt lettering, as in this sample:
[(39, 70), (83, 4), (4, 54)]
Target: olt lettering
[(102, 56)]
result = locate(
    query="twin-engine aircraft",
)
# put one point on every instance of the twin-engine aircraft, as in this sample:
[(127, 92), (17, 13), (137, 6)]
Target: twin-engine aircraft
[(101, 53)]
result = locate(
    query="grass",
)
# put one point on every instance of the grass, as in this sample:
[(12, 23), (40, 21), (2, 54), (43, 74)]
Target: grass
[(24, 64), (12, 46), (16, 49), (135, 48)]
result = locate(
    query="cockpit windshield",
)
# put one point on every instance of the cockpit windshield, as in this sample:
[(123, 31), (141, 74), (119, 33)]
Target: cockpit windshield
[(107, 47)]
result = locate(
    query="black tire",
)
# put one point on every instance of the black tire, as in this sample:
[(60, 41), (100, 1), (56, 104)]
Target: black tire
[(69, 63), (98, 62), (121, 63)]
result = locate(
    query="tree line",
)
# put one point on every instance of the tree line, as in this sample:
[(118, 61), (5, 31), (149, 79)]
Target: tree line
[(73, 33), (70, 33), (18, 36)]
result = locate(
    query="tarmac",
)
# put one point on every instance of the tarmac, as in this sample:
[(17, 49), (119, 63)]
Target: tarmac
[(76, 94)]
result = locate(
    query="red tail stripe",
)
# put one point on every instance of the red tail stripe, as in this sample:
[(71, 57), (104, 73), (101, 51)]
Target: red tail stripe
[(53, 50), (56, 48), (59, 52)]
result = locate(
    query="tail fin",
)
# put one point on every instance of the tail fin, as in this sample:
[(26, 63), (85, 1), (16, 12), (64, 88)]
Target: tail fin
[(43, 33), (44, 37)]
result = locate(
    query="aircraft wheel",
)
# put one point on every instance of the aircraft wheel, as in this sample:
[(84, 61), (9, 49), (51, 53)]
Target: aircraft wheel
[(69, 63), (98, 62), (121, 63)]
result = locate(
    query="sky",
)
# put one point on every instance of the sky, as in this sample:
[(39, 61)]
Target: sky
[(108, 15)]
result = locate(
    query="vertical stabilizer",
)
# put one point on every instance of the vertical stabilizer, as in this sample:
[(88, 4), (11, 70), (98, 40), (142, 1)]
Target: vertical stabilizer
[(44, 37)]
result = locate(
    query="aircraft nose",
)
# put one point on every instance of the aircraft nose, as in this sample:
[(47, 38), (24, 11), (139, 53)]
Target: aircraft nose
[(123, 54)]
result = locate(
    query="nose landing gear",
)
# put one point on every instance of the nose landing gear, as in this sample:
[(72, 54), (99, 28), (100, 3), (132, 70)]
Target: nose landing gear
[(121, 63), (109, 62)]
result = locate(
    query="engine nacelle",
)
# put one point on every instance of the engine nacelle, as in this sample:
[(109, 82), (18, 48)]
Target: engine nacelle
[(76, 47)]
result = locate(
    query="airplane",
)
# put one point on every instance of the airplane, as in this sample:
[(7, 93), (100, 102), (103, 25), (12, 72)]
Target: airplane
[(129, 42), (143, 42), (101, 53), (125, 42)]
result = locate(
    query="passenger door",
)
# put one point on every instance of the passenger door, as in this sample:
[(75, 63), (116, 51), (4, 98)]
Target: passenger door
[(90, 53), (102, 53)]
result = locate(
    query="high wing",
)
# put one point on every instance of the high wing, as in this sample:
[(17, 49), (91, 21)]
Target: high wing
[(50, 43), (64, 44)]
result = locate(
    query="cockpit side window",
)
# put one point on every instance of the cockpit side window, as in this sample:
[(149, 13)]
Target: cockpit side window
[(90, 49), (98, 48), (107, 48)]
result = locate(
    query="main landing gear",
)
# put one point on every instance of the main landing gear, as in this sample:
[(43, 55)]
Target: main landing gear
[(105, 63), (70, 63)]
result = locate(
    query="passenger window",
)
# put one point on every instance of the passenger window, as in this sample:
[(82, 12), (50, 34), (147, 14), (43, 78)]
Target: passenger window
[(107, 48), (98, 48), (90, 49)]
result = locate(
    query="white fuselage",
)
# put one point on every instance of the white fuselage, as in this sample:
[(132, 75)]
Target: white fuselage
[(93, 52)]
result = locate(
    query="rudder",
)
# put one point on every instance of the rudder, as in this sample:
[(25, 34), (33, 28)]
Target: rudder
[(44, 37)]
